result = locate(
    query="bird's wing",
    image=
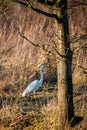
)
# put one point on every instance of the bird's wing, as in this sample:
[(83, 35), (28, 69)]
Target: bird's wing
[(31, 86), (39, 83)]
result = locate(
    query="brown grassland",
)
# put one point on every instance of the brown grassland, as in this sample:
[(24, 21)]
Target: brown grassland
[(39, 112)]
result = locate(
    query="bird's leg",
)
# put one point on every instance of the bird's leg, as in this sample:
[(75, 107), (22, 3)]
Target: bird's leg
[(34, 97), (34, 94)]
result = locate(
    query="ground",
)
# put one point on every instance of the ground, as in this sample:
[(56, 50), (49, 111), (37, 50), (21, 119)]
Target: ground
[(39, 112)]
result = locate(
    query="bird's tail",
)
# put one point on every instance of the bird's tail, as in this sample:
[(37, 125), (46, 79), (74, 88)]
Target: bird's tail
[(23, 94)]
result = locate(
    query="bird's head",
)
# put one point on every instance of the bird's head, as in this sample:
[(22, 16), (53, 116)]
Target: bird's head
[(42, 66)]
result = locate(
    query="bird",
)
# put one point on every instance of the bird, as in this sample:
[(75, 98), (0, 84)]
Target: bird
[(34, 85)]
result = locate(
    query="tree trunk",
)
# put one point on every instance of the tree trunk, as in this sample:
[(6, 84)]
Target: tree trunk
[(64, 61)]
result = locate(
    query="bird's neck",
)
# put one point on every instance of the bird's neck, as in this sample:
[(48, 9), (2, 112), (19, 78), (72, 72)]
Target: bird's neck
[(41, 75)]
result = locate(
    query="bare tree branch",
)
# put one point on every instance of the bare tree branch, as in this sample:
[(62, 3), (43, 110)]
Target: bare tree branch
[(76, 3), (4, 5), (29, 4), (78, 48), (43, 47), (74, 38), (84, 69), (36, 45)]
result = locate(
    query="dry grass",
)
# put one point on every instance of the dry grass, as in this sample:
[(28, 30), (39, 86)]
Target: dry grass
[(39, 113)]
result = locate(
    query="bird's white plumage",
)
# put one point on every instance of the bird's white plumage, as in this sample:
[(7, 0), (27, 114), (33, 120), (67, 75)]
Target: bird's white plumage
[(33, 86)]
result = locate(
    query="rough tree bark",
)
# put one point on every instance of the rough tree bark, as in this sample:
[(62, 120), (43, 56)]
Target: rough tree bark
[(65, 89)]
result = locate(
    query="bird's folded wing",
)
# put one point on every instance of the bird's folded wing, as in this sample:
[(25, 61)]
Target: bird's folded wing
[(31, 86)]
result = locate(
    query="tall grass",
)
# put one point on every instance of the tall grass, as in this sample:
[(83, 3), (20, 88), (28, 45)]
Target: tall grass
[(39, 112)]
